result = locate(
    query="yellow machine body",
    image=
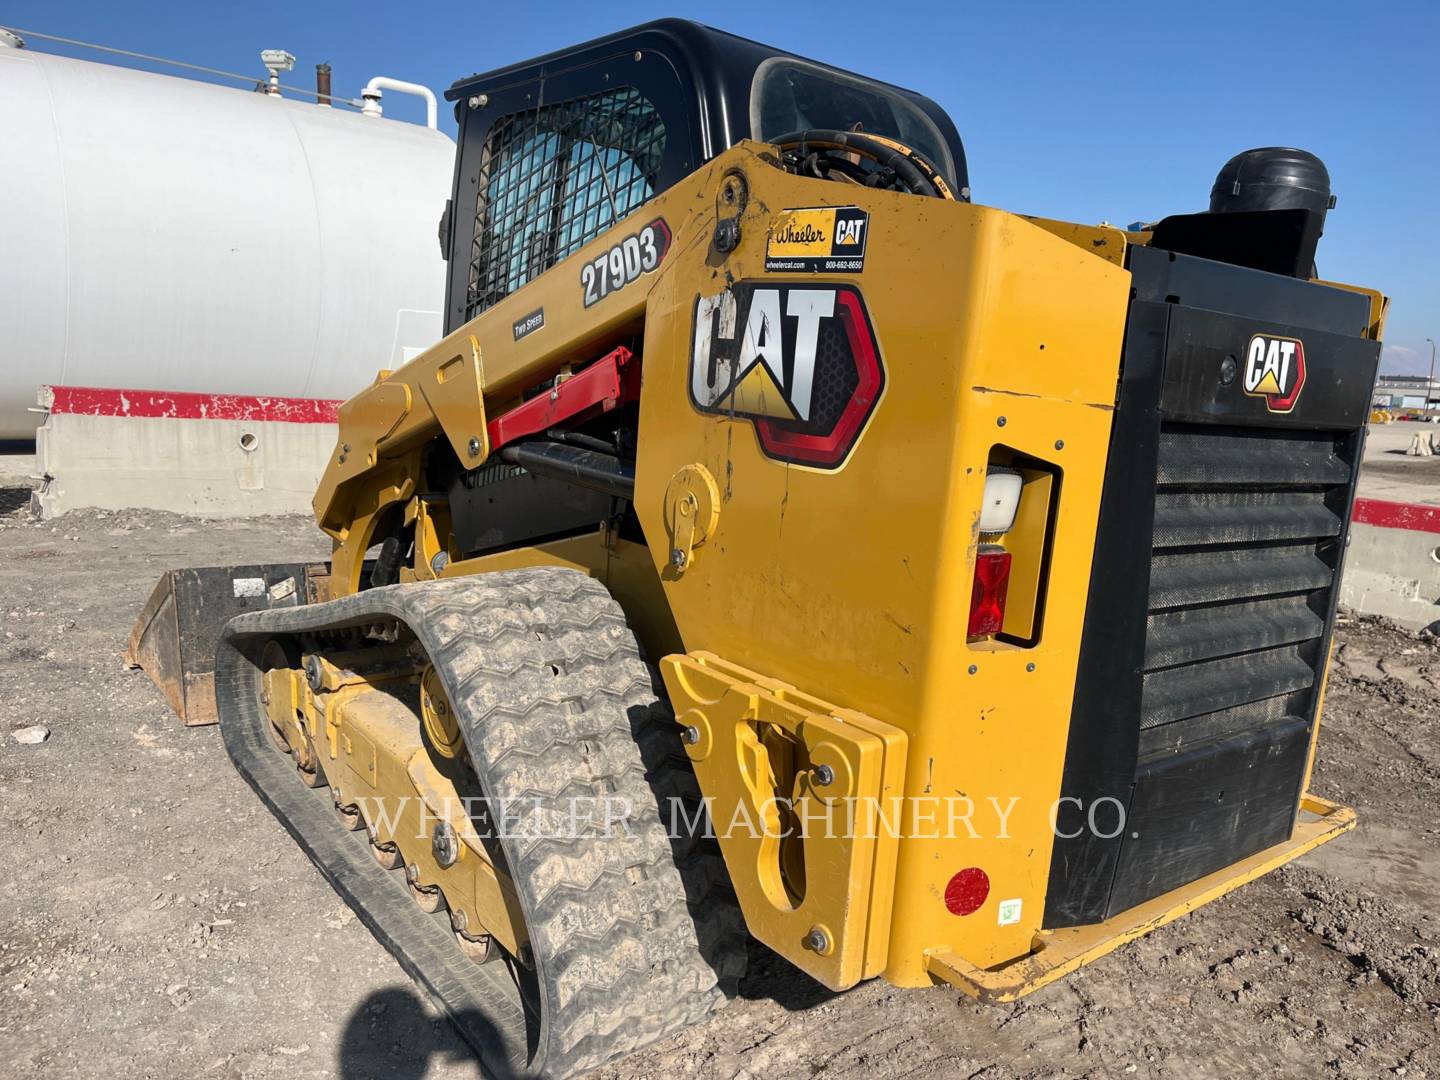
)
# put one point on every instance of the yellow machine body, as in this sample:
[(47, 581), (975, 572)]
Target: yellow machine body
[(806, 616)]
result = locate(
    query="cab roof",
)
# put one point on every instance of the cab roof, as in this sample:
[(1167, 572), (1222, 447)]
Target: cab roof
[(719, 68)]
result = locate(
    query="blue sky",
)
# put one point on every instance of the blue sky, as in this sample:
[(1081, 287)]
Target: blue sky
[(1083, 111)]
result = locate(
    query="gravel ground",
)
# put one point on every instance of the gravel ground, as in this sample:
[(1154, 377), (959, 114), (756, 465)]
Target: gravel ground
[(157, 922), (1390, 473)]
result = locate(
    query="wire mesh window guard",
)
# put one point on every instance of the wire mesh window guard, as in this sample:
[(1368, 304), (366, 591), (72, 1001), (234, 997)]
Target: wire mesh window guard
[(551, 179)]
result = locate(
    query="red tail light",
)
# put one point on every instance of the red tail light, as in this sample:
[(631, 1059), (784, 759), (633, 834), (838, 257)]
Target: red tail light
[(987, 599)]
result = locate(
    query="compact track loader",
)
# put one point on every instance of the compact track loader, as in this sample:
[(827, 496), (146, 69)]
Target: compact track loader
[(782, 546)]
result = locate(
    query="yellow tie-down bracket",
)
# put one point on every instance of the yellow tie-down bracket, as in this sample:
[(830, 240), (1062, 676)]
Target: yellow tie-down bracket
[(805, 800)]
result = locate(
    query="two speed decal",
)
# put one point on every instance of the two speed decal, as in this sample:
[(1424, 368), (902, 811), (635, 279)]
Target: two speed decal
[(622, 263), (527, 325)]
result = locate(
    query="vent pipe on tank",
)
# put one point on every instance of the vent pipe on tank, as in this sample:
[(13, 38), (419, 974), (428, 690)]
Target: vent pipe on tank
[(322, 85), (370, 98)]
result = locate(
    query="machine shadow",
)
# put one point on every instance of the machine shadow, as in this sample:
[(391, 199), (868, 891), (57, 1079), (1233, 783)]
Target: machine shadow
[(389, 1036), (767, 975), (770, 977)]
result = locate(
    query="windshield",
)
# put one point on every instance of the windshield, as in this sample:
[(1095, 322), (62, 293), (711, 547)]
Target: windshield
[(791, 95)]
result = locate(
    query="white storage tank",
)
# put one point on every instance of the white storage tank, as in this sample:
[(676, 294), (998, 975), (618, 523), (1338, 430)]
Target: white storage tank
[(163, 233)]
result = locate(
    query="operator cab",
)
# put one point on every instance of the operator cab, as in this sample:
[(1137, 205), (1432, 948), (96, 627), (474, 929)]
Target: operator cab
[(553, 151)]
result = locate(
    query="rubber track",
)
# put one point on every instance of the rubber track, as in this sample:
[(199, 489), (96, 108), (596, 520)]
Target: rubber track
[(634, 936)]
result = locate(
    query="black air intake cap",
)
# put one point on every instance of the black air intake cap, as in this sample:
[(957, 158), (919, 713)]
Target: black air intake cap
[(1272, 178), (1267, 212)]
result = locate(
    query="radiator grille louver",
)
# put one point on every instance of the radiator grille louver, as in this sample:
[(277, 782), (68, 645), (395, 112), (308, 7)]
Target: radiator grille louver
[(1240, 577), (1188, 518), (1189, 635)]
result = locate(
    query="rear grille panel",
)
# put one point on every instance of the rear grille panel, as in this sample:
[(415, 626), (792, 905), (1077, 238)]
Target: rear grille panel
[(1217, 552), (1242, 571)]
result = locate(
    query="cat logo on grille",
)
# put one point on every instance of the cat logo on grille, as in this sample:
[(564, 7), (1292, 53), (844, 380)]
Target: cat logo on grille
[(1275, 370), (799, 361)]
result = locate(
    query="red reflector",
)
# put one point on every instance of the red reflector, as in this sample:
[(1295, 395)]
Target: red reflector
[(967, 891), (987, 600)]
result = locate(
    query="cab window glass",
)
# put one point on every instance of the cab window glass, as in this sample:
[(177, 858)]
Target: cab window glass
[(790, 95)]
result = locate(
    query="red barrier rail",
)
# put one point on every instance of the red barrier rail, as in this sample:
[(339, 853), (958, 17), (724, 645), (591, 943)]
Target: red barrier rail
[(183, 405), (1416, 517)]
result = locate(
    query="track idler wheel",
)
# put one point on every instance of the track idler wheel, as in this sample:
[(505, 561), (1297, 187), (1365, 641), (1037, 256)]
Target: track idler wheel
[(438, 718)]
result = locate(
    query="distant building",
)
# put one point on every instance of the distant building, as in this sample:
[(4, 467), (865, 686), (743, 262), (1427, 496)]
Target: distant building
[(1407, 392)]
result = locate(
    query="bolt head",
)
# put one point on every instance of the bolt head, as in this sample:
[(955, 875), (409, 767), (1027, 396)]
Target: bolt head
[(445, 845), (678, 558), (1030, 666), (474, 447), (824, 775), (973, 669), (691, 735), (817, 940), (1000, 422), (727, 235), (314, 673), (1059, 444)]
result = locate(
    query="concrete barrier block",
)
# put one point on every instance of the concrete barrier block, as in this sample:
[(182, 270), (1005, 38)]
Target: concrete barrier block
[(1392, 566), (201, 454)]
